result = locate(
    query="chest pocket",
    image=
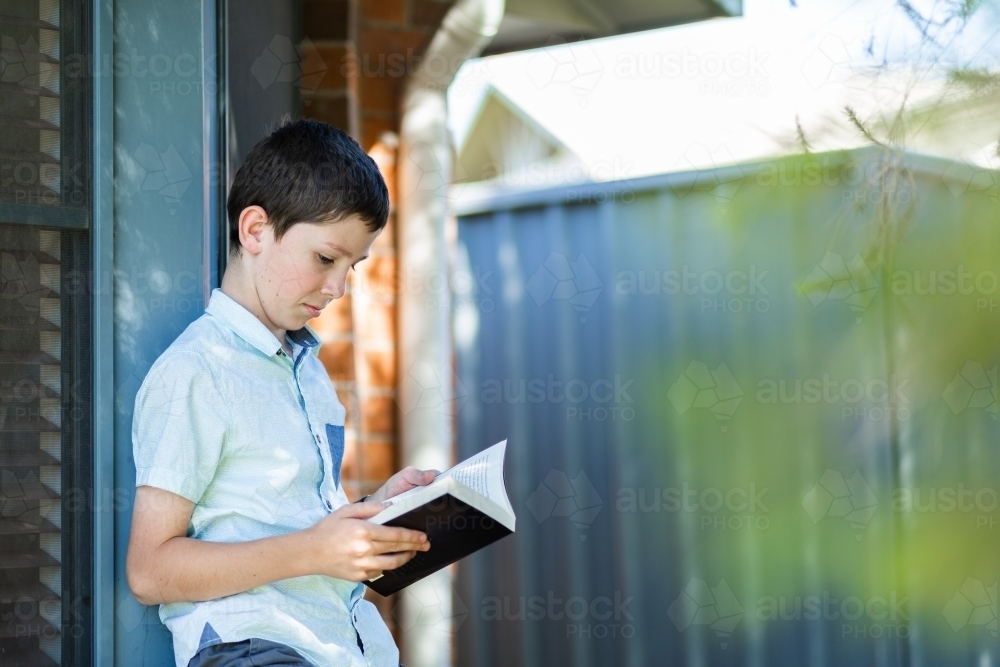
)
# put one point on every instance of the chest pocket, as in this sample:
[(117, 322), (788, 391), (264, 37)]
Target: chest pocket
[(335, 437)]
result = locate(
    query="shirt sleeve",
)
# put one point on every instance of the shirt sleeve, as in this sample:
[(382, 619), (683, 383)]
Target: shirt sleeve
[(179, 427)]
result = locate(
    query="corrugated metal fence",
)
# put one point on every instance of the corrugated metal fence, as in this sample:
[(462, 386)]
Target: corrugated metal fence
[(751, 417)]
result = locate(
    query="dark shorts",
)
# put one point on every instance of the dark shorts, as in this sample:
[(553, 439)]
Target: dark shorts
[(248, 653)]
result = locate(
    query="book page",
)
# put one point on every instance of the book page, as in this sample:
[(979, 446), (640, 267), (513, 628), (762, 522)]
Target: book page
[(474, 473), (483, 473)]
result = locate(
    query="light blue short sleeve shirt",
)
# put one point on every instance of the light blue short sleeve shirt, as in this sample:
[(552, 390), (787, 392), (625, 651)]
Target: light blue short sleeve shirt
[(254, 437)]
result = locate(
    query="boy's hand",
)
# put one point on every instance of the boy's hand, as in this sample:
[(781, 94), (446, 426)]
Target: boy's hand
[(345, 546), (404, 480)]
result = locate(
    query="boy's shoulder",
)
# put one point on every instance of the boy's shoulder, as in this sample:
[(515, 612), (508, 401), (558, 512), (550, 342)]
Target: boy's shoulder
[(200, 336), (203, 346)]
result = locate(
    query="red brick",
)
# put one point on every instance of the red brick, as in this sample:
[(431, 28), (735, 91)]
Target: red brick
[(353, 488), (332, 60), (381, 366), (384, 10), (429, 13), (332, 110), (381, 93), (338, 358), (378, 460), (386, 240), (373, 127), (377, 44), (379, 323), (335, 318), (325, 19), (349, 466), (380, 277), (379, 415), (350, 403), (385, 157)]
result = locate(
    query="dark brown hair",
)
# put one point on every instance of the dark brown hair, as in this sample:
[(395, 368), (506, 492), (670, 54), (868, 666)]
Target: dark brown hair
[(307, 171)]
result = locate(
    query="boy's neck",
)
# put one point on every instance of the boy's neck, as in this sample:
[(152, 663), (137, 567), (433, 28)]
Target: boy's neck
[(236, 284)]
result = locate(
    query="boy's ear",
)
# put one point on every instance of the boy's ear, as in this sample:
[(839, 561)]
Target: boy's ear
[(253, 219)]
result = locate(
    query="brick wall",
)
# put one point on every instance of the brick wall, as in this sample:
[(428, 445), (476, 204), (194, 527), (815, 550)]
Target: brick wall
[(359, 351), (356, 55), (392, 36), (327, 42), (365, 49)]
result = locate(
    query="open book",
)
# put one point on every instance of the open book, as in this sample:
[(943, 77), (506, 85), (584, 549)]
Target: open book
[(463, 510)]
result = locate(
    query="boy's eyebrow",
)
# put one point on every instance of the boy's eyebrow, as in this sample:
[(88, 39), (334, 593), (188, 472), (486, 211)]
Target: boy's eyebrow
[(342, 250)]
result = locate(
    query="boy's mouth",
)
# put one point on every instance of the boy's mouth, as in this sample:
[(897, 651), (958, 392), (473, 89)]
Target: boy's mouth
[(313, 311)]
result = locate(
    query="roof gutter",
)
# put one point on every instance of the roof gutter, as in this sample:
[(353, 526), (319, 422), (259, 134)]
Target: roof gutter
[(426, 394)]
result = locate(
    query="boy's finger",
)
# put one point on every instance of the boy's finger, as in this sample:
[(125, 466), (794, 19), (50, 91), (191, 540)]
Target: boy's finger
[(393, 547), (419, 477), (394, 534), (388, 562), (363, 510)]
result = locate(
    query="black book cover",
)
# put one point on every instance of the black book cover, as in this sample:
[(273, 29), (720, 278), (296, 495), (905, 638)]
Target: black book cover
[(455, 530)]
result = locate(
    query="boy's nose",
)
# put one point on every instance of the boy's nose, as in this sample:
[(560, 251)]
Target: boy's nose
[(336, 287)]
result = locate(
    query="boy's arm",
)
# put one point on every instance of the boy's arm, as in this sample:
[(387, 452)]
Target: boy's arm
[(163, 565)]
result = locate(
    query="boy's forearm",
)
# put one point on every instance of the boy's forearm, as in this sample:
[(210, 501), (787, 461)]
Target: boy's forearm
[(185, 569)]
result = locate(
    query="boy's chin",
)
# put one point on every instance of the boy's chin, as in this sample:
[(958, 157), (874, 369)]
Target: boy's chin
[(298, 323), (295, 322)]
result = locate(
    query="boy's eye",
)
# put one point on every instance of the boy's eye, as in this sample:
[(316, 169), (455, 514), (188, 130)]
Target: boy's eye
[(325, 260)]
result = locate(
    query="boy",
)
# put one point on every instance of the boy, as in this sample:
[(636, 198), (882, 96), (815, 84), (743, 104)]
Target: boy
[(241, 531)]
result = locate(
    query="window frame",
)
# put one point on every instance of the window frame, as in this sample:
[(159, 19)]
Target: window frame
[(78, 342), (102, 330)]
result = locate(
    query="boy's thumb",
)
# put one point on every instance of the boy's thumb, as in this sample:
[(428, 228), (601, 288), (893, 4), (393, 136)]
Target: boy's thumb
[(362, 510)]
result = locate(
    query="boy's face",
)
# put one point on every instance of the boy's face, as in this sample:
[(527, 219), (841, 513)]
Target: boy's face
[(297, 276)]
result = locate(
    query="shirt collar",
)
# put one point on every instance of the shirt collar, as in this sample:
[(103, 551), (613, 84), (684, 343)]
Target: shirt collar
[(245, 325)]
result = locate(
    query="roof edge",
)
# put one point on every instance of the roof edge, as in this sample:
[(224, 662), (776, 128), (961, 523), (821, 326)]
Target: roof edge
[(475, 198)]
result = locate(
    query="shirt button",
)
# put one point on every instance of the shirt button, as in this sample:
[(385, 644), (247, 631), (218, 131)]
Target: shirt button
[(329, 505)]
